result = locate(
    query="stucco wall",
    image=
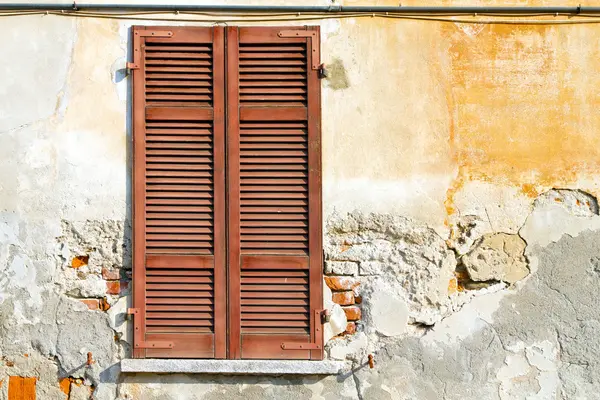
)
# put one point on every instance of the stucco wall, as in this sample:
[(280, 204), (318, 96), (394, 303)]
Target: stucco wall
[(460, 175)]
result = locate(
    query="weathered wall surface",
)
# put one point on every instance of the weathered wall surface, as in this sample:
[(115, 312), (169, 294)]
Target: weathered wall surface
[(461, 222)]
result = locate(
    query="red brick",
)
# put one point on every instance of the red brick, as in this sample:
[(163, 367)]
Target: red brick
[(79, 261), (357, 299), (103, 304), (452, 286), (110, 274), (20, 388), (92, 304), (353, 313), (343, 298), (65, 386), (113, 287), (350, 328), (341, 282)]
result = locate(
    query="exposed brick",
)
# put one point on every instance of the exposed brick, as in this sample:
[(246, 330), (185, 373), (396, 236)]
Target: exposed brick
[(357, 299), (113, 287), (110, 274), (79, 261), (103, 304), (452, 286), (343, 298), (92, 304), (341, 282), (353, 313), (65, 386), (20, 388), (350, 328)]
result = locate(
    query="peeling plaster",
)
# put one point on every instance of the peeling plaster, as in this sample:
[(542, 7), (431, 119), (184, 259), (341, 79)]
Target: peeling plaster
[(417, 169)]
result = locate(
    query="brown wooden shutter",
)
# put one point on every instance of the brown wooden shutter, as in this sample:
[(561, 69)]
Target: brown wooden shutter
[(179, 192), (274, 184)]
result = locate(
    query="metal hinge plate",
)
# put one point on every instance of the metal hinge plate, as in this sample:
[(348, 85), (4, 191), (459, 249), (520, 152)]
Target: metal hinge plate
[(138, 341), (316, 53), (300, 346), (321, 316), (137, 53)]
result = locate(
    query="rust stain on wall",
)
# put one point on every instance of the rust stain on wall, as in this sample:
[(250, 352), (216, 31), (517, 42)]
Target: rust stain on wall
[(523, 103)]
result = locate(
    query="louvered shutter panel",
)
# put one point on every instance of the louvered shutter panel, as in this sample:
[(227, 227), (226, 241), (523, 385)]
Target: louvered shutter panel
[(274, 183), (179, 192)]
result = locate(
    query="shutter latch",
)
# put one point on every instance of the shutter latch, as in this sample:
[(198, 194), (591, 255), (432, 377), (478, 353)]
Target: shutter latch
[(321, 316), (137, 50), (138, 341), (316, 53), (323, 73)]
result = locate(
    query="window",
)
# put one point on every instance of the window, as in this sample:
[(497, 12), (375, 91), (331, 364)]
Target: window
[(227, 202)]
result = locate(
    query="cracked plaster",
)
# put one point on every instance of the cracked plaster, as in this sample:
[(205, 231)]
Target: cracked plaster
[(69, 196)]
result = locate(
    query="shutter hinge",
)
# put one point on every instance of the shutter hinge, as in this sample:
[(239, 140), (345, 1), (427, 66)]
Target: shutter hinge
[(321, 316), (137, 52), (138, 341), (316, 52)]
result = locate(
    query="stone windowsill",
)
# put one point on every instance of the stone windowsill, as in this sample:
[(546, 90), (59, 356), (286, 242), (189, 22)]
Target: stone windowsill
[(233, 367)]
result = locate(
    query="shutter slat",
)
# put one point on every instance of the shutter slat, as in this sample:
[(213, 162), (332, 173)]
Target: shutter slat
[(173, 245), (182, 215), (177, 230), (174, 301), (179, 286), (178, 279), (179, 315), (180, 322), (274, 309), (169, 68), (184, 236), (274, 281), (275, 323), (190, 77), (183, 188), (180, 308), (150, 83), (177, 274), (246, 301), (185, 59), (275, 295), (178, 209), (174, 294), (267, 84), (275, 316), (178, 223), (274, 54)]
